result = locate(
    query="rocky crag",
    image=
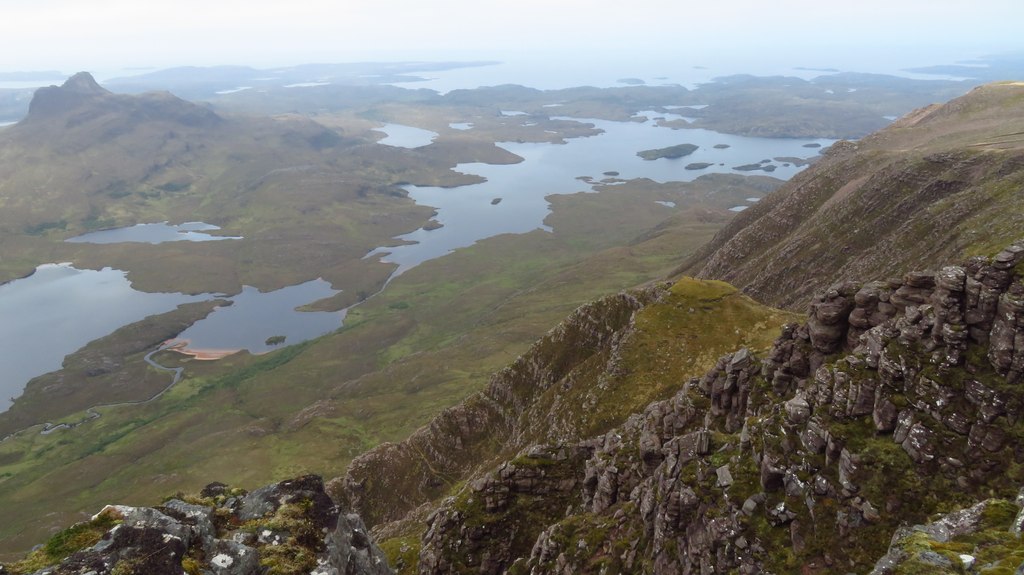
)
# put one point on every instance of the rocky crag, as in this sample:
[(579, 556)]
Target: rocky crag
[(893, 401), (291, 527)]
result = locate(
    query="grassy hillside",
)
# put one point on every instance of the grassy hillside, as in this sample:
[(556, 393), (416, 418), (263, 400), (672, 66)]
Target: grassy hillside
[(942, 183)]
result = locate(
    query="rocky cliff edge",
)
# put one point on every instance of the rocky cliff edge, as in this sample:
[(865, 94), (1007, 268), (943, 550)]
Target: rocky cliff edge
[(291, 527), (892, 402)]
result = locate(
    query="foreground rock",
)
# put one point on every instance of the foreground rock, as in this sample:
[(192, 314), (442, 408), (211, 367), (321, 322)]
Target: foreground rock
[(291, 527), (983, 538)]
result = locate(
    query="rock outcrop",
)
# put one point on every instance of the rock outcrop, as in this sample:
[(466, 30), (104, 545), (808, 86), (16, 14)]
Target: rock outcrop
[(892, 401), (291, 527), (983, 538)]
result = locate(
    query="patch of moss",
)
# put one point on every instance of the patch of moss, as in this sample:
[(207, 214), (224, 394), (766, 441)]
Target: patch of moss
[(191, 566), (127, 567), (66, 542), (297, 554), (403, 553), (994, 548)]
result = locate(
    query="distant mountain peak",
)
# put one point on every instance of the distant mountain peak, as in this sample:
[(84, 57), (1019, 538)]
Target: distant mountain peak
[(56, 100), (80, 97), (83, 83)]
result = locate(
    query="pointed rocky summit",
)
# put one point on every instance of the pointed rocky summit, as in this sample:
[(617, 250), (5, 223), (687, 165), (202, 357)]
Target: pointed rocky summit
[(83, 83), (80, 102), (75, 91)]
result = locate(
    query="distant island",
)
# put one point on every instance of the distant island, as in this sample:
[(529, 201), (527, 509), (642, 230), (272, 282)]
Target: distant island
[(698, 165), (754, 167), (671, 152)]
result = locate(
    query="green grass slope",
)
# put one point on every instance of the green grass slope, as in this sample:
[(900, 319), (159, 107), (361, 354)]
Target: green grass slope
[(942, 183)]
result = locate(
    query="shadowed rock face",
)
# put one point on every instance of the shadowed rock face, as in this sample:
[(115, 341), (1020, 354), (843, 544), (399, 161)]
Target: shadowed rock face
[(288, 527)]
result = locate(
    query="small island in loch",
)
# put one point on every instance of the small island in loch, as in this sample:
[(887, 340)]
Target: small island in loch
[(671, 152)]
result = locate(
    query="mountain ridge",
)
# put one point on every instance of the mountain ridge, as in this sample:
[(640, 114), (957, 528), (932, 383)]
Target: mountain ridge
[(932, 310), (939, 184), (794, 462)]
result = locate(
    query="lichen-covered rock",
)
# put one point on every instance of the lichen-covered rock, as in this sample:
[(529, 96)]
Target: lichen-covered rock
[(199, 517), (146, 540), (232, 558), (980, 535), (351, 551), (287, 528), (267, 500)]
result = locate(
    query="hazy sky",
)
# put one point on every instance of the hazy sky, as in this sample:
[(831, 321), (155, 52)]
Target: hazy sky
[(68, 35)]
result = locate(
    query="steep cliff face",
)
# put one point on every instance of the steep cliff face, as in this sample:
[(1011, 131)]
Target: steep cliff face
[(942, 183), (890, 403), (392, 479), (606, 361)]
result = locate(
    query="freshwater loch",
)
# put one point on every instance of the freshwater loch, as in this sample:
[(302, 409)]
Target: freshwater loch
[(469, 213), (58, 309)]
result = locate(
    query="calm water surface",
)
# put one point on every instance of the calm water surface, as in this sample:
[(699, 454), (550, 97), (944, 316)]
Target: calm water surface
[(255, 316), (469, 215), (153, 234), (405, 136), (59, 309)]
